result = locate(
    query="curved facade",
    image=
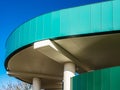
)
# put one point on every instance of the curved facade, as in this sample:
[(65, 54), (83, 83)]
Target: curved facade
[(87, 36), (94, 18), (105, 79)]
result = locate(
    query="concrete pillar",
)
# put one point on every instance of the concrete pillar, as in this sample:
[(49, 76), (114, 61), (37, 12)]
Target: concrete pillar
[(69, 71), (36, 84)]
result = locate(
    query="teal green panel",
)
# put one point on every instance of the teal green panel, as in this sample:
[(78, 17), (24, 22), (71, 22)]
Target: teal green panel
[(84, 17), (39, 28), (115, 79), (26, 28), (116, 14), (79, 83), (107, 16), (24, 34), (81, 19), (83, 81), (64, 22), (90, 81), (32, 30), (74, 13), (21, 37), (96, 18), (75, 85), (97, 80), (16, 38), (105, 79), (46, 26), (55, 24)]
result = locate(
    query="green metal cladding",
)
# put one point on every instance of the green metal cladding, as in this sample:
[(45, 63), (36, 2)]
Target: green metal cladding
[(93, 18), (105, 79)]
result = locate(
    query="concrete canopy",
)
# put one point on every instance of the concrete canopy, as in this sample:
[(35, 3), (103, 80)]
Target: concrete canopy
[(87, 36), (88, 53)]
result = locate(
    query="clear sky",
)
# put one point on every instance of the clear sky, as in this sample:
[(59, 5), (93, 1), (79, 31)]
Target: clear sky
[(15, 12)]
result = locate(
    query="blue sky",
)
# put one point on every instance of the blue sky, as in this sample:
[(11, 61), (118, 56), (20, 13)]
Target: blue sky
[(15, 12)]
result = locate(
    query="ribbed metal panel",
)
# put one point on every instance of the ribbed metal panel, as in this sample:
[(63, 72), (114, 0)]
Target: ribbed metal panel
[(105, 79), (94, 18)]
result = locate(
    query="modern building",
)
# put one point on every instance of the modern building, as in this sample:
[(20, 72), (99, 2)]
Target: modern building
[(48, 50)]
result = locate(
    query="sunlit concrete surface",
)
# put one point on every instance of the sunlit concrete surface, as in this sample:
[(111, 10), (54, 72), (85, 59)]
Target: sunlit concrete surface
[(47, 62)]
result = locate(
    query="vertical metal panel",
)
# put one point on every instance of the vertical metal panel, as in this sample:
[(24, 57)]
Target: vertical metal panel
[(107, 16), (83, 81), (64, 22), (97, 80), (115, 78), (39, 27), (74, 85), (55, 24), (79, 19), (84, 15), (116, 14), (94, 18), (46, 26), (104, 79), (74, 13), (26, 32), (90, 81), (32, 30)]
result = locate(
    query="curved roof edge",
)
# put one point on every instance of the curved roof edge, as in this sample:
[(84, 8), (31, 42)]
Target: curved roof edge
[(26, 46), (67, 22)]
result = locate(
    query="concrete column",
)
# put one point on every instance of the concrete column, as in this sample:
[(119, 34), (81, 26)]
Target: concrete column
[(69, 71), (36, 84)]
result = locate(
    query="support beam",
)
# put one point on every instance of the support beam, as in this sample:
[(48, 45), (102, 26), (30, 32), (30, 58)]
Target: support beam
[(70, 56), (69, 71), (61, 55), (40, 75), (36, 84)]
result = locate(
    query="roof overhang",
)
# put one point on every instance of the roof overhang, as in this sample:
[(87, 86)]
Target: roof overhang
[(45, 59)]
